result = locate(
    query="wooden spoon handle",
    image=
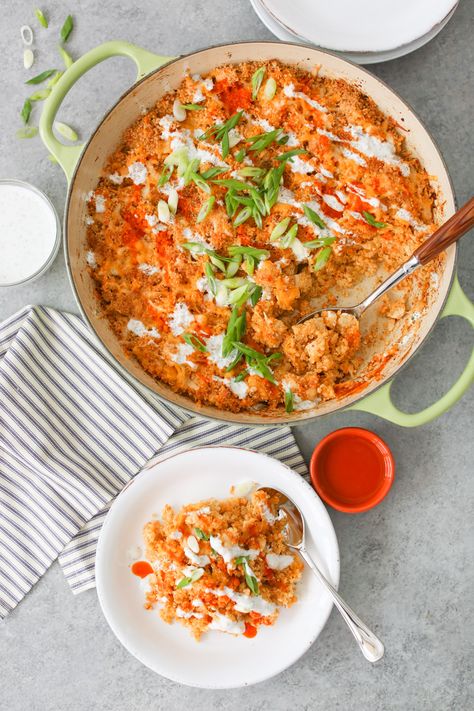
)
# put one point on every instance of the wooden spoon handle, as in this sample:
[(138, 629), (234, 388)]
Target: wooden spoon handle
[(450, 232)]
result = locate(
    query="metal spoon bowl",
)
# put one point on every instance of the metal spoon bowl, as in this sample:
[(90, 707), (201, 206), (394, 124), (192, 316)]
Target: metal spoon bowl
[(370, 646), (443, 237)]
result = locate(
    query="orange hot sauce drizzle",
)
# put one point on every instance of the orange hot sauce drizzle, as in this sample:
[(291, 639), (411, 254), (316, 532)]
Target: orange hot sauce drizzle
[(250, 630), (141, 568)]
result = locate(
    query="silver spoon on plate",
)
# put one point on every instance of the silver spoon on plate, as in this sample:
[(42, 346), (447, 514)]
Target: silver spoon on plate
[(370, 645)]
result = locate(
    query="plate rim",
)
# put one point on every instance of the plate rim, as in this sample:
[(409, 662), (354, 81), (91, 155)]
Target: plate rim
[(300, 480)]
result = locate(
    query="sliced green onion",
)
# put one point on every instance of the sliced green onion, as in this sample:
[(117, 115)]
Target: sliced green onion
[(322, 258), (26, 111), (192, 340), (28, 58), (163, 211), (320, 242), (240, 155), (192, 107), (184, 582), (234, 282), (27, 132), (206, 208), (243, 216), (289, 238), (195, 247), (200, 182), (40, 78), (217, 262), (41, 18), (257, 79), (173, 198), (66, 29), (289, 404), (289, 155), (211, 173), (54, 80), (279, 229), (40, 95), (313, 216), (211, 280), (66, 57), (65, 131), (251, 171), (165, 176), (370, 219), (256, 295), (200, 534), (270, 88)]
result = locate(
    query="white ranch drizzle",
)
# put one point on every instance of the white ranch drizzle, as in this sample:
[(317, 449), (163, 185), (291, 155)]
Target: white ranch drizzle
[(240, 389), (289, 91), (180, 356)]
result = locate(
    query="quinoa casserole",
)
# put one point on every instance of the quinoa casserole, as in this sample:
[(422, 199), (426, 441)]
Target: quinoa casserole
[(220, 565), (238, 203)]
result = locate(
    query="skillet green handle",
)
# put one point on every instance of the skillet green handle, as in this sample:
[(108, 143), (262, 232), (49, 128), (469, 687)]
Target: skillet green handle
[(379, 403), (146, 62)]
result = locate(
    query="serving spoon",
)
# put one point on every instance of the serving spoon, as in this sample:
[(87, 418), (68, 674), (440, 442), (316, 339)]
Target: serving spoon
[(370, 645), (443, 237)]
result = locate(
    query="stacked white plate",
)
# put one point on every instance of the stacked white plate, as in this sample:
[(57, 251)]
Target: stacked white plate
[(363, 31)]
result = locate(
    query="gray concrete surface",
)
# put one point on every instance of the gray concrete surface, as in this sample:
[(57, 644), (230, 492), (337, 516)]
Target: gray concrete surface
[(406, 566)]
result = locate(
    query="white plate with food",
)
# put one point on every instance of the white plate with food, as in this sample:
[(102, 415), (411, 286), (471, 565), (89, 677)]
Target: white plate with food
[(214, 562)]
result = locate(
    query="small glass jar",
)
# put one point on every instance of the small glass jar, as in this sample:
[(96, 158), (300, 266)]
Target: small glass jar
[(30, 233)]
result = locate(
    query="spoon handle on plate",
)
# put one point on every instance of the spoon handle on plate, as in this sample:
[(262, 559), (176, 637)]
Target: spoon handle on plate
[(370, 645)]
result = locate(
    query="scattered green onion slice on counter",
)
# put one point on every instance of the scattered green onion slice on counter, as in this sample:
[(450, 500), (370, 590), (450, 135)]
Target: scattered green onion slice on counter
[(40, 78), (26, 111), (41, 18), (27, 132), (289, 404), (313, 216), (205, 209), (65, 131), (322, 258), (40, 95), (269, 89), (192, 340), (257, 79), (370, 219), (66, 29), (28, 58), (66, 57), (54, 79)]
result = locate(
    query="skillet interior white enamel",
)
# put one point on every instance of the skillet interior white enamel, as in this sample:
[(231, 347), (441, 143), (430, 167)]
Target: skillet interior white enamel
[(146, 93)]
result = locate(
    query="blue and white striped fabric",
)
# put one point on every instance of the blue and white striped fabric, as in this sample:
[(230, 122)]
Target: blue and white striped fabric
[(72, 433)]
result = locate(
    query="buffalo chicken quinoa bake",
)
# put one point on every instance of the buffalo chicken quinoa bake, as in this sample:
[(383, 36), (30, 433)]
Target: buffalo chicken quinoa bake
[(238, 203), (220, 565)]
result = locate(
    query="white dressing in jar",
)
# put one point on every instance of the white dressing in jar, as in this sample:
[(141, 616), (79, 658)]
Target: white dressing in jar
[(29, 232)]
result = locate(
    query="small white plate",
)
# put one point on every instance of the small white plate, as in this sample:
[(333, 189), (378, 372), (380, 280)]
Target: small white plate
[(219, 660)]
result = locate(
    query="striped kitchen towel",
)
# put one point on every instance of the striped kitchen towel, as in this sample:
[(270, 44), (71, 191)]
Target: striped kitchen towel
[(73, 432)]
